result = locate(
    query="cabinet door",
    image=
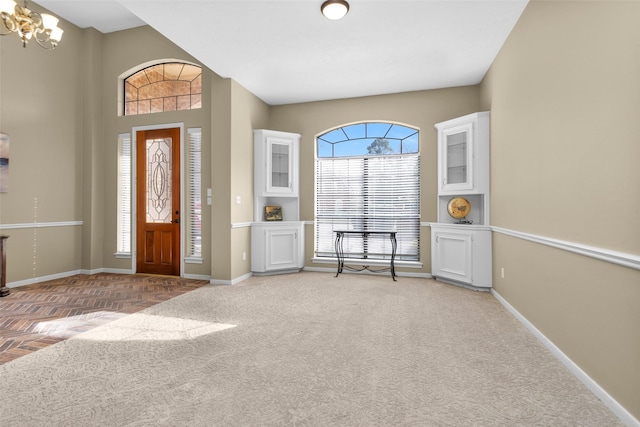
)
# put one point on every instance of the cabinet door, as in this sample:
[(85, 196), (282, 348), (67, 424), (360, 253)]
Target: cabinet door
[(281, 248), (456, 158), (280, 166), (453, 256)]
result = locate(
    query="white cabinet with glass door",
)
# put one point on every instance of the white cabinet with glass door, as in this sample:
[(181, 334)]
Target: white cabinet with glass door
[(276, 164), (463, 154), (277, 234), (461, 239)]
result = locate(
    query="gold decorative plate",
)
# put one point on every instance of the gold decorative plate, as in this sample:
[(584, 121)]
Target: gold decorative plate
[(458, 207)]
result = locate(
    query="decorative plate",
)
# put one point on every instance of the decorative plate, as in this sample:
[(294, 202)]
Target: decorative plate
[(458, 207)]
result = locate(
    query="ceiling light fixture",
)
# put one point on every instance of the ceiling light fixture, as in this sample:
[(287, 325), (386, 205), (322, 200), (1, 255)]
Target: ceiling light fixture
[(334, 9), (27, 24)]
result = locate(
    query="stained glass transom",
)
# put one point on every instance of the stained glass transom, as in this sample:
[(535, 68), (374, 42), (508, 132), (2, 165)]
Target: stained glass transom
[(159, 180), (163, 87)]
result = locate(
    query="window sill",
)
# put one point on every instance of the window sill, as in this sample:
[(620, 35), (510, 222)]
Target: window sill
[(122, 255)]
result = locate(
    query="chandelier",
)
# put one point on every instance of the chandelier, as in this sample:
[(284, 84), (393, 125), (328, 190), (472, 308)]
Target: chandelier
[(27, 24)]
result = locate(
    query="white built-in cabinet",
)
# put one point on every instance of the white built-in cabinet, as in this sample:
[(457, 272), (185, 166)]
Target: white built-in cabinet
[(276, 163), (462, 254), (276, 246), (461, 249)]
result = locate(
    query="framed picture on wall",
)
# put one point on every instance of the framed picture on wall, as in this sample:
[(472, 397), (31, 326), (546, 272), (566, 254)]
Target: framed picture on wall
[(273, 213)]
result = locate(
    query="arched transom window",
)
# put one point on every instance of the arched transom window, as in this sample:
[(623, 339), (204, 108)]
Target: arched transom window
[(163, 87), (372, 138)]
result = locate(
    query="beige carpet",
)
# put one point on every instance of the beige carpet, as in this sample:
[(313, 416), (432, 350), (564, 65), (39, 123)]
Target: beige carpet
[(303, 349)]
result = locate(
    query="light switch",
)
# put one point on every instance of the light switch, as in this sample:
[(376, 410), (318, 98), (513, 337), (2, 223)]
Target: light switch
[(238, 200)]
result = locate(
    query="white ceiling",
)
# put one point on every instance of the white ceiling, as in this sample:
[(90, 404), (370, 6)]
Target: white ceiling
[(285, 51)]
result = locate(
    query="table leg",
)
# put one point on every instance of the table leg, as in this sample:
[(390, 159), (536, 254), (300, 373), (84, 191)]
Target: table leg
[(394, 245), (339, 253)]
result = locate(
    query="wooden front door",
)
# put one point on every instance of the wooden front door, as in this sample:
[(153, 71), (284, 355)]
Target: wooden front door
[(158, 201)]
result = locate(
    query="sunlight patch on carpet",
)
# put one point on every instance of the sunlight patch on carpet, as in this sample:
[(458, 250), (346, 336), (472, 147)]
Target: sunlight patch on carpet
[(148, 327), (67, 327)]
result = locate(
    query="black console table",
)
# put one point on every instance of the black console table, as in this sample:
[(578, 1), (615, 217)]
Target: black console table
[(365, 234)]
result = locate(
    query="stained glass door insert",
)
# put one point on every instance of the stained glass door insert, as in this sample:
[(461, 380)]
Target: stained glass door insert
[(159, 181)]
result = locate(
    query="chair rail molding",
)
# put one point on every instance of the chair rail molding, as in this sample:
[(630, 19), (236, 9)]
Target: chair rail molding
[(40, 225), (241, 224), (615, 257)]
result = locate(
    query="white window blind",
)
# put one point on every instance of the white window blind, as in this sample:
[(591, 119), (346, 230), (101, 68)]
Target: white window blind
[(124, 194), (194, 227), (369, 193)]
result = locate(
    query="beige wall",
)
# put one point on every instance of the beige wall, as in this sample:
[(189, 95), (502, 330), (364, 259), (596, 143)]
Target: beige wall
[(60, 109), (123, 51), (235, 113), (249, 113), (228, 117), (220, 179), (564, 94), (41, 109), (420, 109)]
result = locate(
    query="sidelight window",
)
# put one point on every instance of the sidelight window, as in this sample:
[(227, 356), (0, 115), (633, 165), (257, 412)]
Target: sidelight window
[(124, 195), (194, 190), (194, 196)]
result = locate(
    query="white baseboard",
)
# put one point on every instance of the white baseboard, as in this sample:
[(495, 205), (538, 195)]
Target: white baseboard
[(613, 405), (398, 273), (197, 276), (107, 270), (33, 280), (230, 282), (417, 275), (40, 279), (320, 269), (114, 271)]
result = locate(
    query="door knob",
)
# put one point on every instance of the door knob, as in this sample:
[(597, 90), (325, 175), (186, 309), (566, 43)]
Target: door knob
[(177, 221)]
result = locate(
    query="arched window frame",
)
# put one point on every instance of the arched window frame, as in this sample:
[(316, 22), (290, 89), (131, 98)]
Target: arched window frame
[(352, 139), (195, 92), (362, 189)]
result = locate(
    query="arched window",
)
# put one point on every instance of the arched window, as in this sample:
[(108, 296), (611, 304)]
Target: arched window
[(163, 87), (368, 178), (372, 138)]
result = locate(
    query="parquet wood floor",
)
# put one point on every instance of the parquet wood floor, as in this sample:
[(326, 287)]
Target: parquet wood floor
[(35, 316)]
